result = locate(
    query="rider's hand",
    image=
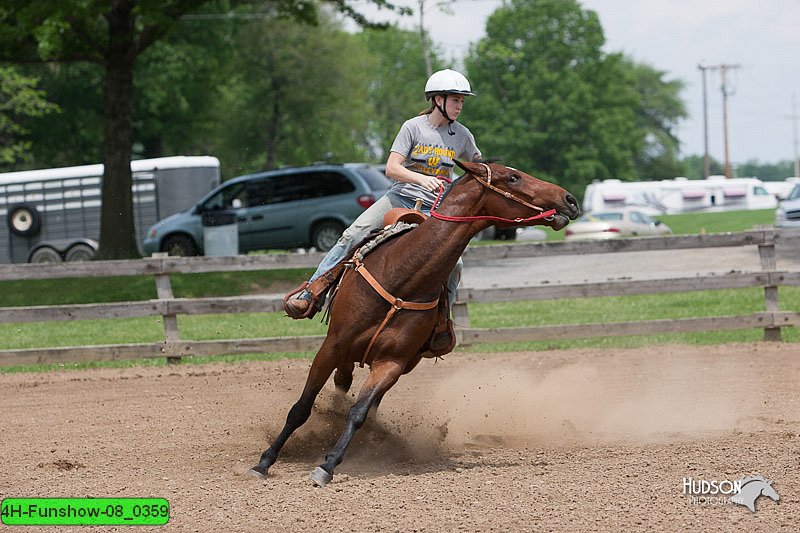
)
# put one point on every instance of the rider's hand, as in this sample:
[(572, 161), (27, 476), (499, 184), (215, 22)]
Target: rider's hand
[(431, 183)]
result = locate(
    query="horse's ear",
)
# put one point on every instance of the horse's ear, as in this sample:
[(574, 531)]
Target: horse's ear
[(472, 168)]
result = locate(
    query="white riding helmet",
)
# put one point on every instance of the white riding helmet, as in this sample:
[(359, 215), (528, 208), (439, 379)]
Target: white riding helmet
[(447, 82)]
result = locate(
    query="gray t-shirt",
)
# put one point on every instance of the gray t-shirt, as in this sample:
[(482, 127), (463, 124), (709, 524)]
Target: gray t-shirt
[(431, 151)]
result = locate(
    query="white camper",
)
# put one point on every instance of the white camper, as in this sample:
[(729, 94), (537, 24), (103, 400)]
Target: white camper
[(679, 195), (53, 215), (781, 189)]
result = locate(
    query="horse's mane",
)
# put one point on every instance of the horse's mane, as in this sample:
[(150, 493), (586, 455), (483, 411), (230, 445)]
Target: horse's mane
[(750, 479)]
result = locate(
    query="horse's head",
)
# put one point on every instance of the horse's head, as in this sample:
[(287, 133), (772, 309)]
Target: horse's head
[(752, 487), (519, 197), (770, 492)]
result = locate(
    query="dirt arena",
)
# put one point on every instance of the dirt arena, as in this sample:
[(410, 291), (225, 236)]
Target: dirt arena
[(581, 440)]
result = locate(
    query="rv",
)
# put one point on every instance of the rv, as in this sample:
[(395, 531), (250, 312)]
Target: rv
[(782, 189), (53, 215), (679, 195)]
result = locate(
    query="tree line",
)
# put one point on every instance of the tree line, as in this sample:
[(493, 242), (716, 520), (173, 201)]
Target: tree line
[(262, 84)]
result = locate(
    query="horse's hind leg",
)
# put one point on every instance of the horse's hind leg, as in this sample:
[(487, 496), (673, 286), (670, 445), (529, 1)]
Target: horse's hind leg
[(343, 377), (382, 376), (320, 371)]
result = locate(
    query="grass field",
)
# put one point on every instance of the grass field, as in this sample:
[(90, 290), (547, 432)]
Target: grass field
[(136, 288), (487, 315), (734, 221)]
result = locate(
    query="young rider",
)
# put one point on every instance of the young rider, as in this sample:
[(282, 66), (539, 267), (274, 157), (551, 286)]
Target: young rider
[(421, 155)]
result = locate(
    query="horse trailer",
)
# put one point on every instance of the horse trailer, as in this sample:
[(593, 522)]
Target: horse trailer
[(679, 195), (53, 215)]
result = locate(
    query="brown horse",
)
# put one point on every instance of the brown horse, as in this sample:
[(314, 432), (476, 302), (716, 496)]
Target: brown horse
[(413, 267)]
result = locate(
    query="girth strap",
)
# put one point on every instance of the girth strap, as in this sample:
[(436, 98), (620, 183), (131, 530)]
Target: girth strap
[(396, 303)]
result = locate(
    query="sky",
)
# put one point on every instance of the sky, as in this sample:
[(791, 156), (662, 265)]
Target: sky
[(675, 36)]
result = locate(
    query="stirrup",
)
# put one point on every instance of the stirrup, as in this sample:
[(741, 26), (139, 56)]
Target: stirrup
[(442, 331)]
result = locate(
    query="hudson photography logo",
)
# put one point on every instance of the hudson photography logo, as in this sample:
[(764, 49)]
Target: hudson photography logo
[(744, 491)]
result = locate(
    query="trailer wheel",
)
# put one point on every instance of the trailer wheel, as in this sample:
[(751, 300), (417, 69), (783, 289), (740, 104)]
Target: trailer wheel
[(24, 220), (45, 254), (79, 252), (182, 245)]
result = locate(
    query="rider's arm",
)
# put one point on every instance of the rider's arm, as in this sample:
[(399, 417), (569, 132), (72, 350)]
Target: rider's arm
[(397, 171)]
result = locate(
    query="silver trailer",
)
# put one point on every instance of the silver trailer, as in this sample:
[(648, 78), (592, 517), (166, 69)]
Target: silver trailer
[(53, 215)]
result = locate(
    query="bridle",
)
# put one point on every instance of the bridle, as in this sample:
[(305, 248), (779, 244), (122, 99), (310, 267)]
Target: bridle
[(546, 215)]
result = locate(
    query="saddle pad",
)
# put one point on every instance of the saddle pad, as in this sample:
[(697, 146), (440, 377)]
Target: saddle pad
[(379, 237)]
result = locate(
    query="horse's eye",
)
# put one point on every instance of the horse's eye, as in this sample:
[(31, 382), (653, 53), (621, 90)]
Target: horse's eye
[(513, 178)]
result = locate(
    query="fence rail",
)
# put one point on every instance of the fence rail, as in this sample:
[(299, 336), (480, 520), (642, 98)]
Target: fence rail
[(168, 307)]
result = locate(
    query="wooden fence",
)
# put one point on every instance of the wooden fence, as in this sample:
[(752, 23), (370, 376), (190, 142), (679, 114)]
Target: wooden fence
[(772, 319)]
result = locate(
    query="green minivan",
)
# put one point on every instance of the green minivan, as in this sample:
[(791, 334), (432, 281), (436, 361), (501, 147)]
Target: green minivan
[(298, 207)]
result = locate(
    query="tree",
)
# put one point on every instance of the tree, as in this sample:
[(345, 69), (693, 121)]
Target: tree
[(19, 99), (179, 82), (657, 113), (396, 91), (694, 166), (766, 171), (176, 83), (292, 95), (114, 34), (74, 135), (553, 102)]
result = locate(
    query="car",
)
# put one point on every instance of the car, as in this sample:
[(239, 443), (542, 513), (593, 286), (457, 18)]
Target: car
[(531, 233), (613, 224), (787, 215), (294, 207)]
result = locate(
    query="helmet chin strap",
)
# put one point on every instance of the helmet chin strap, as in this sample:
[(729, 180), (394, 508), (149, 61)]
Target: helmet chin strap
[(441, 109)]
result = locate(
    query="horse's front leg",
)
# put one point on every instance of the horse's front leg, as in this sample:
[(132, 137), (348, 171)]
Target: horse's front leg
[(382, 376), (321, 369)]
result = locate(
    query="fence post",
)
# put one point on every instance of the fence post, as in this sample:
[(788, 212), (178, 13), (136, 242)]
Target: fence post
[(171, 333), (766, 252), (460, 318)]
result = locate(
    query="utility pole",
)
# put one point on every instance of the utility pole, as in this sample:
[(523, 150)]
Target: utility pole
[(794, 129), (423, 34), (706, 160), (723, 69)]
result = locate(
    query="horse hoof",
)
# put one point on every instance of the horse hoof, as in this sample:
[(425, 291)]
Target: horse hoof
[(256, 474), (320, 477)]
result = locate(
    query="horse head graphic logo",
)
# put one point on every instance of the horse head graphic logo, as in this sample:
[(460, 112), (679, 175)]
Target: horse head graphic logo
[(752, 488)]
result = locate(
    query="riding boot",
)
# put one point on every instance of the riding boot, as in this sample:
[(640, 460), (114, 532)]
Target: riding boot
[(299, 305), (307, 299)]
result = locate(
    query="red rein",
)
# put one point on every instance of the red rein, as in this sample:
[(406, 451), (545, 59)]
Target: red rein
[(543, 214)]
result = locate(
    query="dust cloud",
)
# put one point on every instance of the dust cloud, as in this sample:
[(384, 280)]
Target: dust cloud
[(632, 396), (629, 398)]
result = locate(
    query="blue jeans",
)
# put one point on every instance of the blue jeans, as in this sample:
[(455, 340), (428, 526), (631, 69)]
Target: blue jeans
[(372, 219)]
